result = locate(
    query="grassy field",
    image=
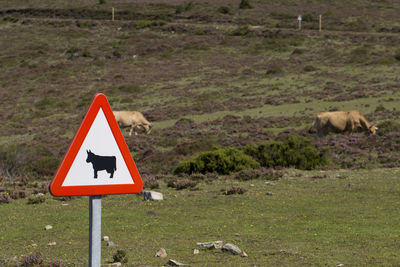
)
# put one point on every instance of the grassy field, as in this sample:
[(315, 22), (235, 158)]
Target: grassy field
[(311, 218), (206, 74)]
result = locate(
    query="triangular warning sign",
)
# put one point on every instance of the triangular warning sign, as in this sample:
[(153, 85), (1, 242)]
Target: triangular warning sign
[(98, 161)]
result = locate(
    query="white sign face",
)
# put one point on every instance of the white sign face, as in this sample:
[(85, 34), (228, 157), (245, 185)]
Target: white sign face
[(299, 18), (99, 160)]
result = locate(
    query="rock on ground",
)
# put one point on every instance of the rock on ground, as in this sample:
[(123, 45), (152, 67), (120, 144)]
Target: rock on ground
[(232, 249), (209, 245), (175, 263), (162, 253), (152, 195)]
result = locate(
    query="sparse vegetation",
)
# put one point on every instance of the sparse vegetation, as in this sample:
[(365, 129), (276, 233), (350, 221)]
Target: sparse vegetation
[(225, 10), (245, 4), (150, 23), (233, 190), (247, 78), (120, 256), (5, 198), (397, 55), (240, 31)]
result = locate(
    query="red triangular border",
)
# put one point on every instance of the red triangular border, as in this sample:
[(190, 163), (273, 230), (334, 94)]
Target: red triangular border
[(56, 188)]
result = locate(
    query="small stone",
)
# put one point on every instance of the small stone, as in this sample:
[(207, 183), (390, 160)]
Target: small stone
[(270, 193), (64, 204), (269, 183), (209, 245), (152, 195), (110, 244), (196, 251), (175, 263), (106, 238), (340, 265), (244, 254), (116, 264), (34, 245), (252, 185), (232, 249), (52, 244), (48, 227), (162, 253)]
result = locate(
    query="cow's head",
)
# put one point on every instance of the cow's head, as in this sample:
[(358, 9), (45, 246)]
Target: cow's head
[(89, 156), (372, 129)]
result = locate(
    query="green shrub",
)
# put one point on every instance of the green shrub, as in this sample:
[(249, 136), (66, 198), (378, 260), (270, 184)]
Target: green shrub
[(245, 4), (10, 19), (240, 31), (225, 10), (296, 152), (117, 53), (150, 23), (222, 161), (103, 2)]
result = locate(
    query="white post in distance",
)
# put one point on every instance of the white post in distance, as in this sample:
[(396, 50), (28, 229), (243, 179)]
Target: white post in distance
[(299, 19), (320, 23), (95, 231)]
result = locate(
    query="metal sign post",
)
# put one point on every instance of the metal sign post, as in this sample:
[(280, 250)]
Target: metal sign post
[(85, 173), (95, 231)]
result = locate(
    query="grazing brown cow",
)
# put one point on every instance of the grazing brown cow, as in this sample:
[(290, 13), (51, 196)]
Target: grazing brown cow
[(133, 119), (349, 121)]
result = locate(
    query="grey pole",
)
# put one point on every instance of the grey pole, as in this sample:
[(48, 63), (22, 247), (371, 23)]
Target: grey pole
[(94, 231)]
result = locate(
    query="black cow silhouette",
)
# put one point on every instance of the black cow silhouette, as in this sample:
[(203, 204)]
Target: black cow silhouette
[(99, 163)]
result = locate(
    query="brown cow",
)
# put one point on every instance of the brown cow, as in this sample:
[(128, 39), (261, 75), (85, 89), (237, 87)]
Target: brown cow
[(133, 119), (349, 121)]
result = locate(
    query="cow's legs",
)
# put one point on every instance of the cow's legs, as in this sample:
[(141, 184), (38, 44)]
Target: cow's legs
[(111, 173), (95, 174)]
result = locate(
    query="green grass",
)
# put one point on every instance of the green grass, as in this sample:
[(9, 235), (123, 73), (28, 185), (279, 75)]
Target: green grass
[(177, 60), (312, 218)]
